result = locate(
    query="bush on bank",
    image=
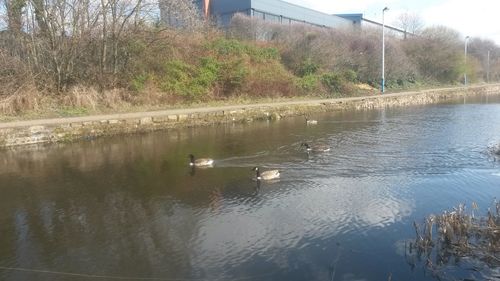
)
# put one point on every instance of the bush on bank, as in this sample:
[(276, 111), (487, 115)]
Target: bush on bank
[(110, 66)]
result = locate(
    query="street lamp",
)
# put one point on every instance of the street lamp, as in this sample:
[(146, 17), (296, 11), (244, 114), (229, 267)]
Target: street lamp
[(383, 49), (465, 60)]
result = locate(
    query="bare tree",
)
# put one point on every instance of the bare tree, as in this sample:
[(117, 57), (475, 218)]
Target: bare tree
[(306, 48), (61, 40), (121, 13), (180, 14), (3, 15), (486, 52), (410, 22), (14, 10), (438, 53), (57, 32)]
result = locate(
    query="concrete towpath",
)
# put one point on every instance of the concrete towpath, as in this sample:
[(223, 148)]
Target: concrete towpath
[(136, 115)]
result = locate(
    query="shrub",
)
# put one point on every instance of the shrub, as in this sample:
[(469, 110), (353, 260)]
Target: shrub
[(307, 67), (437, 53), (266, 53), (308, 83), (139, 82), (350, 75), (226, 47), (177, 76), (207, 73), (270, 79), (333, 81), (232, 76), (231, 47), (188, 81)]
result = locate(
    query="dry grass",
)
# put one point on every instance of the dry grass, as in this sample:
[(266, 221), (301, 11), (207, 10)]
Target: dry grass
[(28, 98), (81, 97), (89, 98), (363, 86), (459, 239), (114, 99)]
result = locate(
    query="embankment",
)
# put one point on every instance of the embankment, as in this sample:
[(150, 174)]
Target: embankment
[(78, 128)]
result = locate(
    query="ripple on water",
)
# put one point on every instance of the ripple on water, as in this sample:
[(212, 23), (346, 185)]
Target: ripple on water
[(386, 168), (293, 213)]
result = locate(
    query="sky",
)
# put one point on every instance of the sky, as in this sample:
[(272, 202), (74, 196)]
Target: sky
[(475, 18)]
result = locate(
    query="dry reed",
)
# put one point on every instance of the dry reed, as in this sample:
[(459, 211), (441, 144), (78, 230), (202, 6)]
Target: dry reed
[(459, 242)]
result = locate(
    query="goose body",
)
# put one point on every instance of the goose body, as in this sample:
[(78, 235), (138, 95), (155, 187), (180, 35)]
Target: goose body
[(266, 175), (311, 122), (316, 147), (201, 162)]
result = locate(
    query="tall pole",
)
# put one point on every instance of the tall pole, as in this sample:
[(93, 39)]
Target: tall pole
[(465, 61), (383, 49)]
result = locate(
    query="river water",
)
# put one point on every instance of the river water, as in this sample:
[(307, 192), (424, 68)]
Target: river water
[(130, 208)]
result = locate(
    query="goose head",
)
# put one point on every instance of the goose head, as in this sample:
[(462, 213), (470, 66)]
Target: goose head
[(306, 145), (257, 173)]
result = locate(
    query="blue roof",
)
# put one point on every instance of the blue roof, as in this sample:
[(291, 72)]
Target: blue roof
[(282, 8), (278, 8)]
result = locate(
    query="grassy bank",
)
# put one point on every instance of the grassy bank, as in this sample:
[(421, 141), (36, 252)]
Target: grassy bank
[(171, 69), (128, 63), (168, 68)]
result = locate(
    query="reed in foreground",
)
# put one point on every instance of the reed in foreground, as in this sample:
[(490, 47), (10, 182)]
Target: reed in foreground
[(458, 244)]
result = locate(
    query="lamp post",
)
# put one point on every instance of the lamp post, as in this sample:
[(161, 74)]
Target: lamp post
[(383, 49), (465, 60)]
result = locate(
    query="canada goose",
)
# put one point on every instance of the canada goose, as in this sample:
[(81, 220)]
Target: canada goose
[(311, 122), (202, 162), (266, 175), (316, 147)]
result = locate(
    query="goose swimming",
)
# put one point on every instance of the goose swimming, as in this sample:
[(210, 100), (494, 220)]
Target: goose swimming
[(316, 147), (266, 175), (201, 162), (311, 122)]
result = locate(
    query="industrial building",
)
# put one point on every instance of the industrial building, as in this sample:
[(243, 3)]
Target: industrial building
[(277, 11), (358, 20)]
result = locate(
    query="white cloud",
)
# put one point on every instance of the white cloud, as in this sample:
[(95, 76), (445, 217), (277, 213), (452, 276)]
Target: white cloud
[(469, 18)]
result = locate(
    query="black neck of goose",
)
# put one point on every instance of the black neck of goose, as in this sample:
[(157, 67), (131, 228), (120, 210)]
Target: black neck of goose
[(257, 173), (191, 159)]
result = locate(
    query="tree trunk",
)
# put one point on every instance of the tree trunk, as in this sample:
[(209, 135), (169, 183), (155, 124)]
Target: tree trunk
[(104, 37), (14, 15)]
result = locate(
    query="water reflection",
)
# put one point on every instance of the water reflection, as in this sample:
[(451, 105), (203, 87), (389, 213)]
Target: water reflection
[(132, 206)]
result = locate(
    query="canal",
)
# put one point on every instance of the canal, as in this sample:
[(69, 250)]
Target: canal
[(130, 208)]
